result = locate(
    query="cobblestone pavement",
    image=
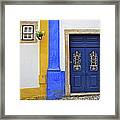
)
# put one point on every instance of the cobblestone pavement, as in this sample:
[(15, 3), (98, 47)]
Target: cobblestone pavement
[(85, 97)]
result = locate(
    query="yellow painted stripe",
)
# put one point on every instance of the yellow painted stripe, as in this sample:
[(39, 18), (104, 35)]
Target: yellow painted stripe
[(43, 57), (29, 93)]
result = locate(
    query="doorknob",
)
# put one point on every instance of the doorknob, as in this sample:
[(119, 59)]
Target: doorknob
[(70, 61)]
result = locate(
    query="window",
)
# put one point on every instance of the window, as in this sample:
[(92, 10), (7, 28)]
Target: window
[(27, 32), (28, 29), (77, 60), (93, 61)]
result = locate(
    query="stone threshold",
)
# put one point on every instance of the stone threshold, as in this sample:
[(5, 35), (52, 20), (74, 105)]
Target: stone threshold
[(82, 97)]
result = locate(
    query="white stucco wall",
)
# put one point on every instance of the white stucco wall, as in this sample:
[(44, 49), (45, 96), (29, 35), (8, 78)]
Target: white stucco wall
[(29, 65), (73, 24)]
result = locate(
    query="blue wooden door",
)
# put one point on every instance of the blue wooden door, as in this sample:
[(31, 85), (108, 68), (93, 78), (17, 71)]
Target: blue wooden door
[(84, 63)]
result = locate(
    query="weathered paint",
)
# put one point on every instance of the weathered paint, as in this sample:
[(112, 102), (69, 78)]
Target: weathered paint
[(43, 57), (26, 93), (55, 78)]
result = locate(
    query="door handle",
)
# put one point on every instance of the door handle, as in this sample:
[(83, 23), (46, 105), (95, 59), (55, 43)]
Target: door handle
[(70, 61)]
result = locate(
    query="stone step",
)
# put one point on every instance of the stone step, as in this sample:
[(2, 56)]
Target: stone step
[(85, 97)]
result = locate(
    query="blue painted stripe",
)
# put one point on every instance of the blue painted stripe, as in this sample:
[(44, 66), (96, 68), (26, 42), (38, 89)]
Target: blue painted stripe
[(54, 49), (55, 78)]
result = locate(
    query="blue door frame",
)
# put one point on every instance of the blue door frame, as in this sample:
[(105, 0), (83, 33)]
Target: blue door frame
[(84, 63)]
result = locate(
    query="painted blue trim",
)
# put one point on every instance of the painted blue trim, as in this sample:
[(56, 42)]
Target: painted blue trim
[(55, 77), (55, 85), (54, 49)]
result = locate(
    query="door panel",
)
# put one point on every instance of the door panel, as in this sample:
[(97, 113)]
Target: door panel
[(79, 83), (92, 69), (92, 60), (77, 69), (92, 83)]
